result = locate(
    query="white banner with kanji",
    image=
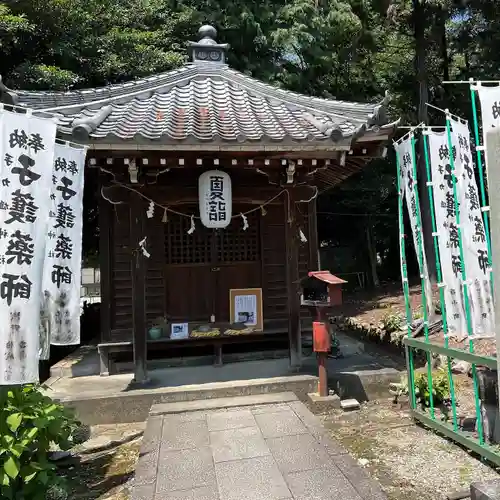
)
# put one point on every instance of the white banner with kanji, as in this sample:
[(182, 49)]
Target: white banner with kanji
[(406, 160), (447, 232), (474, 244), (26, 154), (489, 97), (63, 255)]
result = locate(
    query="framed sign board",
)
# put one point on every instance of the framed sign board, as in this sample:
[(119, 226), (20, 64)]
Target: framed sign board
[(245, 306)]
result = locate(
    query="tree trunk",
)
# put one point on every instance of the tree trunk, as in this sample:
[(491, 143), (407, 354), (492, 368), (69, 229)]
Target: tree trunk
[(419, 24), (372, 253), (442, 15)]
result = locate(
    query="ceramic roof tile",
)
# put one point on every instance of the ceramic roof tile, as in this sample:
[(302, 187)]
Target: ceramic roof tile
[(200, 102)]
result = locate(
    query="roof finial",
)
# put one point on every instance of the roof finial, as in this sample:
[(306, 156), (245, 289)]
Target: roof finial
[(207, 49), (207, 35)]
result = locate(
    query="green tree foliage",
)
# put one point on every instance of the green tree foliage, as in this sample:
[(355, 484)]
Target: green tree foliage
[(347, 49)]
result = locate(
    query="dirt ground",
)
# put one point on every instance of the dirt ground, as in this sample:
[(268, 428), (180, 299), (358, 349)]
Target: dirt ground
[(410, 462), (370, 307), (105, 464)]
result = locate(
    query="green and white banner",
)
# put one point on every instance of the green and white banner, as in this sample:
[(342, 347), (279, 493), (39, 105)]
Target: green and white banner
[(408, 184), (475, 248), (447, 232)]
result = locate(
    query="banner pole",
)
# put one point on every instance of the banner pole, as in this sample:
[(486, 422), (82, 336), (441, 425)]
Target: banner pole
[(420, 254), (404, 278), (484, 204), (430, 194), (465, 287)]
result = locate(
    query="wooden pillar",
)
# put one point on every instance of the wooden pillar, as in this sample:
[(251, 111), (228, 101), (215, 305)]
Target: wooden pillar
[(105, 262), (138, 270), (312, 236), (293, 285)]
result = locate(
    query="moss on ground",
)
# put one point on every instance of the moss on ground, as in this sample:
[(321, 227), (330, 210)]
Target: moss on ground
[(103, 476)]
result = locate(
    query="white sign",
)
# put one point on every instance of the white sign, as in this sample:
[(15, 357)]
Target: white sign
[(475, 246), (404, 150), (26, 156), (179, 331), (63, 255), (448, 237), (214, 192), (245, 309), (490, 111)]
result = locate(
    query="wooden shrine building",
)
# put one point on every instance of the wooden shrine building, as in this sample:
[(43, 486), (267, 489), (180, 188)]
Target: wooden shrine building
[(151, 139)]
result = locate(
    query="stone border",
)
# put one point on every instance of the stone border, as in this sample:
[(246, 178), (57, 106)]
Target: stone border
[(372, 333)]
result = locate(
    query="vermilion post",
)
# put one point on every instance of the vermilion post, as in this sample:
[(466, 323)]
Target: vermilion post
[(321, 341)]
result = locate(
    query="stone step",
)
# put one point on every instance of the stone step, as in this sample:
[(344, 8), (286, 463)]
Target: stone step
[(222, 403), (125, 405)]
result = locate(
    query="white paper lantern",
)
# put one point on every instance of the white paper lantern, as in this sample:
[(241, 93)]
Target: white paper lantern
[(214, 192)]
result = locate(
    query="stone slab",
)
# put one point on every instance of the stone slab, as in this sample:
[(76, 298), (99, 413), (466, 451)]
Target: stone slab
[(184, 436), (253, 479), (349, 404), (316, 398), (270, 408), (145, 470), (366, 487), (486, 490), (185, 469), (278, 451), (321, 484), (219, 403), (297, 453), (143, 492), (221, 421), (238, 444), (315, 427), (203, 493), (283, 423)]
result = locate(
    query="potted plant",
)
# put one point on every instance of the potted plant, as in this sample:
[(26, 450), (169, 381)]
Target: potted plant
[(158, 328)]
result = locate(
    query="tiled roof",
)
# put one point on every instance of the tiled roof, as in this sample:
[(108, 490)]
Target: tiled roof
[(203, 102)]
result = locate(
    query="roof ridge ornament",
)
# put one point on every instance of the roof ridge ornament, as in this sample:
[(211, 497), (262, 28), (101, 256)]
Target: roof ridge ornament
[(207, 50), (7, 96)]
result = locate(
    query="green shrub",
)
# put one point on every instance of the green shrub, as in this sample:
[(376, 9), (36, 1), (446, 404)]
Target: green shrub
[(392, 321), (29, 424), (440, 388)]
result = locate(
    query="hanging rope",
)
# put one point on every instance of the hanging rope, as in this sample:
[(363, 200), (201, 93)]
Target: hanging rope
[(167, 209)]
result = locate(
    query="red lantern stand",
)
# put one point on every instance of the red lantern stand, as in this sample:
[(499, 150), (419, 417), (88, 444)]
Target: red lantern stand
[(321, 324)]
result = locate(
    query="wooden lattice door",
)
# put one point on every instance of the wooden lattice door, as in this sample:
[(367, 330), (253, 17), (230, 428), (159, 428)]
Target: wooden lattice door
[(203, 266), (237, 260)]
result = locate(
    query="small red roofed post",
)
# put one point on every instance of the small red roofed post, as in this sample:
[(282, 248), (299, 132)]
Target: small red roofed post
[(321, 291)]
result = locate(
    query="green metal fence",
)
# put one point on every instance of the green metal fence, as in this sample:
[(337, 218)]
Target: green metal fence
[(444, 419), (475, 440)]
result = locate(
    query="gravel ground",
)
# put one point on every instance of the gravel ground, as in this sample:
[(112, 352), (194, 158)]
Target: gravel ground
[(410, 462)]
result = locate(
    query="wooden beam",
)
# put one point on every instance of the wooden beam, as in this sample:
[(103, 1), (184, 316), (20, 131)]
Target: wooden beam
[(293, 285), (105, 263), (312, 237), (138, 269)]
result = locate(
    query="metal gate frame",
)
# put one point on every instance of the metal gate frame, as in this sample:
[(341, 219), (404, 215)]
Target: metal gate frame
[(451, 430), (412, 345)]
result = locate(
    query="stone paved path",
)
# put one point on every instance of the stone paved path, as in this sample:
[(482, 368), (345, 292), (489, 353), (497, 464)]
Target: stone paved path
[(258, 452)]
